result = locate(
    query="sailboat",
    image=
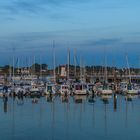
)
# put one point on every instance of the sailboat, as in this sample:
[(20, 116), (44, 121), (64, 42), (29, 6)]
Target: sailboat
[(131, 90), (80, 89), (51, 87), (34, 90), (91, 88), (106, 91), (65, 88)]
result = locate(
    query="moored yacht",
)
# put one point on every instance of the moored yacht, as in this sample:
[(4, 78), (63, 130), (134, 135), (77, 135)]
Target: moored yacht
[(131, 89), (34, 90), (50, 89), (65, 89), (91, 89), (105, 89), (80, 89)]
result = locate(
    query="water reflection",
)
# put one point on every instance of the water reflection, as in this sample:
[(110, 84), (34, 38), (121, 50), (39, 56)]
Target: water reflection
[(105, 119), (50, 98), (69, 117), (79, 98), (35, 100), (91, 99), (105, 98), (128, 98), (115, 102), (20, 100), (5, 101), (126, 114), (64, 99)]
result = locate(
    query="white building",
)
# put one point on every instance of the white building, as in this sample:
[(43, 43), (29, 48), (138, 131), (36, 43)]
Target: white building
[(63, 71)]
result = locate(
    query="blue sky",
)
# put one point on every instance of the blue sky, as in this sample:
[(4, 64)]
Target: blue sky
[(90, 26)]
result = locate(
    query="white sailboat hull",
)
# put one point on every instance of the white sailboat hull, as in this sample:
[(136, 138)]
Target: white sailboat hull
[(65, 92), (106, 92), (1, 94), (133, 92), (80, 92)]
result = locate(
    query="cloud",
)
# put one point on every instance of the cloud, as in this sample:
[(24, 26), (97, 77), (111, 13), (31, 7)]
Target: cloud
[(43, 40), (18, 7), (50, 9), (34, 6), (40, 43), (109, 41), (99, 45)]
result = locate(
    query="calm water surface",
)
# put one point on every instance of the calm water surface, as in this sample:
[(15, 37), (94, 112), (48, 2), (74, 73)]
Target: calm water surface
[(57, 120)]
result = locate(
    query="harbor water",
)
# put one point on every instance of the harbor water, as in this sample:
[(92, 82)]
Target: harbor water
[(67, 119)]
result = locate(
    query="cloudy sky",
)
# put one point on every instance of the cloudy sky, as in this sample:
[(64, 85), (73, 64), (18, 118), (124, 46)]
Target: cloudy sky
[(94, 28)]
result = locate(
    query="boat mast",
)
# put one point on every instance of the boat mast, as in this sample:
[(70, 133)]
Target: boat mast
[(29, 67), (13, 64), (80, 69), (54, 74), (10, 72), (34, 65), (128, 69), (105, 67), (106, 70), (40, 68), (68, 70), (84, 72), (75, 63), (18, 66)]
